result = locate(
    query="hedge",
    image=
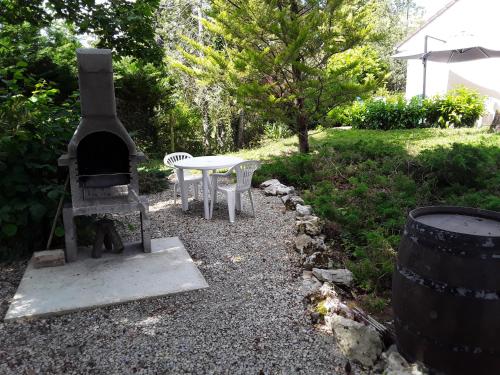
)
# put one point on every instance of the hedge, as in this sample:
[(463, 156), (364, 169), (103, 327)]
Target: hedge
[(461, 107)]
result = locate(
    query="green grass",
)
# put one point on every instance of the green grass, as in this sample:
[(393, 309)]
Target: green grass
[(153, 165), (364, 182), (413, 141)]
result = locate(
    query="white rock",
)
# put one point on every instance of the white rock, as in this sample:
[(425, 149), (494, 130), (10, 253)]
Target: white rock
[(310, 284), (269, 183), (279, 189), (274, 187), (340, 276), (307, 245), (291, 201), (332, 302), (286, 199), (331, 305), (317, 259), (303, 210), (327, 290), (311, 225), (395, 364), (303, 243), (357, 342)]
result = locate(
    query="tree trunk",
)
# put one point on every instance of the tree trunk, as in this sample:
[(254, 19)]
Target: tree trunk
[(207, 129), (241, 129), (303, 134), (300, 112), (172, 132), (302, 127)]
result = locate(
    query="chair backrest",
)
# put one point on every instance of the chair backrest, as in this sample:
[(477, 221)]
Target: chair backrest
[(244, 172), (171, 159)]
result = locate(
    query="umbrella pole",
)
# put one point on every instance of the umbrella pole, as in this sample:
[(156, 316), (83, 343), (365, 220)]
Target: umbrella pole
[(424, 61)]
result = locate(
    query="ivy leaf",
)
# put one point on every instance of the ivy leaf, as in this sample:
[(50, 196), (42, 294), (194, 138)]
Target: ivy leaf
[(37, 211), (9, 229), (53, 194), (59, 232)]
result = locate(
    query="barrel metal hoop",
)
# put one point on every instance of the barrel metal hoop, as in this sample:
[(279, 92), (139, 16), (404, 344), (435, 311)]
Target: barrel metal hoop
[(474, 251), (459, 348), (442, 287)]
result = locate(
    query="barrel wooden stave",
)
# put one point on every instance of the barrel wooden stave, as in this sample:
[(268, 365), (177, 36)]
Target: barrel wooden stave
[(459, 271)]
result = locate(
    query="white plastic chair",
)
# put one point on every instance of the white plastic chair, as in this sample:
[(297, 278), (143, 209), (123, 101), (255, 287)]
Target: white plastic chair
[(189, 177), (244, 172)]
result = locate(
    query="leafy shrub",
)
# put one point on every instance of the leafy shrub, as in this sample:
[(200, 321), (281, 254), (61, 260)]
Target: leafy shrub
[(392, 112), (34, 132), (276, 130), (48, 56), (180, 130), (38, 114), (347, 115), (152, 181), (141, 89), (296, 170), (458, 108), (464, 165)]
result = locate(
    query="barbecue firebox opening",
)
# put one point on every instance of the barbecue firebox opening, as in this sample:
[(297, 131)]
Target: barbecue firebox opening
[(103, 161)]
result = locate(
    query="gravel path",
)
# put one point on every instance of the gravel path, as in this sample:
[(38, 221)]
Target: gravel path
[(251, 320)]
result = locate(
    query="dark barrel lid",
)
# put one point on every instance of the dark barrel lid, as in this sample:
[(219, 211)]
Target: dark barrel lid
[(463, 220)]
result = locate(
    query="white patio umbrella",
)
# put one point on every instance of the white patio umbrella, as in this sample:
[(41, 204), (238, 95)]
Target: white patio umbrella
[(450, 53)]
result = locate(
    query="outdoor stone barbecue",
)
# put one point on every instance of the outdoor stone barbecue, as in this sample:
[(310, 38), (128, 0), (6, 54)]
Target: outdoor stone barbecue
[(102, 158)]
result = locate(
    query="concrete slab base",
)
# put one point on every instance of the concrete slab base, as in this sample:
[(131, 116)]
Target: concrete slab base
[(112, 279)]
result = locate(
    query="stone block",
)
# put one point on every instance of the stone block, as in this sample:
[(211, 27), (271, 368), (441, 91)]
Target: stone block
[(339, 276), (48, 258), (303, 210), (357, 342)]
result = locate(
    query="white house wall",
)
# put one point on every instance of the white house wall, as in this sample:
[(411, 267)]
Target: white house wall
[(437, 78), (475, 21)]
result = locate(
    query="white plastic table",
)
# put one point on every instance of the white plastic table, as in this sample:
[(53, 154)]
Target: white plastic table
[(205, 164)]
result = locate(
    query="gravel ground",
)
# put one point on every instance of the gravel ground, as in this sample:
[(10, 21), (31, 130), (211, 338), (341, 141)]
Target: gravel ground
[(251, 320)]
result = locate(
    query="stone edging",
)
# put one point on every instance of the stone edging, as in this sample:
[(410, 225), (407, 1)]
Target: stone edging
[(359, 342)]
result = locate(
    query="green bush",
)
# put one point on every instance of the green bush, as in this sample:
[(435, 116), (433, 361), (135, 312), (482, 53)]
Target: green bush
[(347, 115), (276, 130), (141, 91), (458, 108), (180, 129), (153, 177), (391, 112), (38, 114), (461, 107), (364, 183), (464, 165), (48, 56), (34, 132)]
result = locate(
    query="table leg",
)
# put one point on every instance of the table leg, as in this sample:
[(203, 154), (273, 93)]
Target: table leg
[(206, 184), (182, 186)]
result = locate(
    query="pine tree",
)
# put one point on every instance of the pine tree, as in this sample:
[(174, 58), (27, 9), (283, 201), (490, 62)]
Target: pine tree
[(282, 57)]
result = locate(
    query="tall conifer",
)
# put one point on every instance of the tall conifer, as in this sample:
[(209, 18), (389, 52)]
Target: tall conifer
[(288, 59)]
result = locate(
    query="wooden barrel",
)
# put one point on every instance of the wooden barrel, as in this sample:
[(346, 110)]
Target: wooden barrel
[(446, 290)]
